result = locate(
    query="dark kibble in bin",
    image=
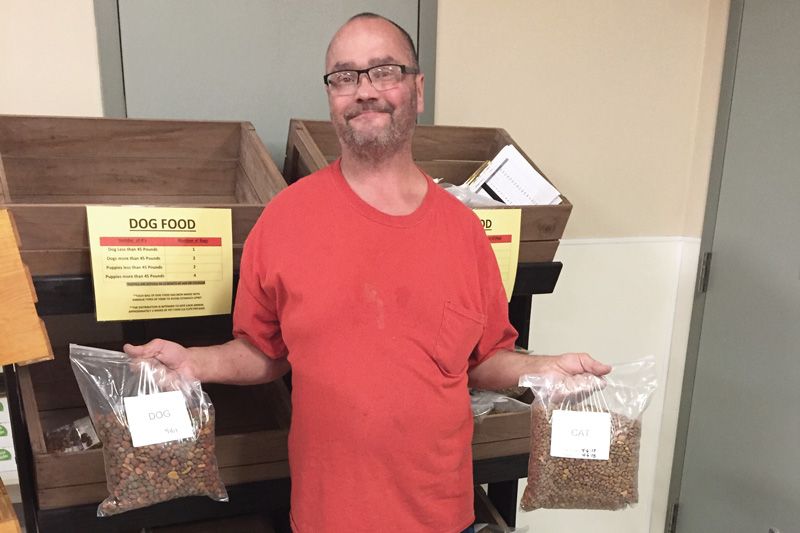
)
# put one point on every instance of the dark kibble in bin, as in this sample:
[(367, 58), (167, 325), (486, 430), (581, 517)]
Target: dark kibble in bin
[(566, 483), (138, 477)]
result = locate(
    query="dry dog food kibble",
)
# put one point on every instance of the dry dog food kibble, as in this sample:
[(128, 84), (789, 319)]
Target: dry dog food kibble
[(565, 483), (138, 477)]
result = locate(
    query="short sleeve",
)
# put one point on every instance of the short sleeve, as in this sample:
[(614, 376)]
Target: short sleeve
[(255, 312), (498, 332)]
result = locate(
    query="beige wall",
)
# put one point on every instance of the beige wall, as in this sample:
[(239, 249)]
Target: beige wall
[(615, 100), (48, 58)]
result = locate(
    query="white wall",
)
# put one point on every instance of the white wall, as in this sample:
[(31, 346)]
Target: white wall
[(48, 58)]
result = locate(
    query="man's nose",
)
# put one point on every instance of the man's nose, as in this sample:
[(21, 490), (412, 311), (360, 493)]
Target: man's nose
[(365, 89)]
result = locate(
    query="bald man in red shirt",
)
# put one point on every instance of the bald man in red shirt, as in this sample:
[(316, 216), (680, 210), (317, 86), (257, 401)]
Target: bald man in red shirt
[(380, 292)]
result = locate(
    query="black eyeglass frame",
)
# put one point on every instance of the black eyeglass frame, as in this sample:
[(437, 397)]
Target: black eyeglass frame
[(359, 71)]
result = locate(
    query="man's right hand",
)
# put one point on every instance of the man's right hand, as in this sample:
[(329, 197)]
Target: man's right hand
[(237, 362), (171, 354)]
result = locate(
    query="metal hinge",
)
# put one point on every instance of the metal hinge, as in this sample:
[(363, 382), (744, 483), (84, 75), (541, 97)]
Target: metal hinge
[(703, 273), (672, 521)]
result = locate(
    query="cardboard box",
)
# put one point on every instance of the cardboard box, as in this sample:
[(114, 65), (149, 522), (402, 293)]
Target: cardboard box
[(50, 168), (449, 152)]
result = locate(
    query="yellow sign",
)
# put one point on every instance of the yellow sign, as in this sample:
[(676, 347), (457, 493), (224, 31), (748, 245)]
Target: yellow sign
[(502, 228), (159, 262)]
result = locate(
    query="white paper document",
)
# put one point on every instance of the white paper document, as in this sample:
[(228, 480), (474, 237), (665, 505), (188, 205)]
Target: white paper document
[(580, 435), (157, 418), (510, 178)]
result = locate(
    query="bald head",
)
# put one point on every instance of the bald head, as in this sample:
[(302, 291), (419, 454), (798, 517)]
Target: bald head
[(380, 24)]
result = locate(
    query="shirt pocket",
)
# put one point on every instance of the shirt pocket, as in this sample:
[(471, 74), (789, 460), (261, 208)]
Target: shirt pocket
[(459, 333)]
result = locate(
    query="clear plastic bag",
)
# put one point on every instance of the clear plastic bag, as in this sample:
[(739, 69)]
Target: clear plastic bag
[(469, 198), (77, 436), (157, 430), (486, 402), (585, 438)]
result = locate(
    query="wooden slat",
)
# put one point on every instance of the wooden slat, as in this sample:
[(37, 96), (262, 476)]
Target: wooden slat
[(59, 227), (453, 142), (119, 176), (544, 222), (323, 134), (56, 262), (67, 496), (5, 195), (68, 469), (23, 336), (537, 251), (128, 199), (502, 448), (27, 136), (57, 394), (31, 409), (245, 193), (309, 152), (60, 497), (258, 166), (233, 451), (502, 426)]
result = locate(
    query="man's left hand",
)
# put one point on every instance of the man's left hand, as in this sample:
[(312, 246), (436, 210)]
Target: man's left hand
[(505, 367)]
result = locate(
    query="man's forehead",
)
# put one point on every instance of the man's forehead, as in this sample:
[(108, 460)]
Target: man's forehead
[(366, 42)]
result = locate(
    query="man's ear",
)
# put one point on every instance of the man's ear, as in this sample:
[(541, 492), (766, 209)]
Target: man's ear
[(420, 87)]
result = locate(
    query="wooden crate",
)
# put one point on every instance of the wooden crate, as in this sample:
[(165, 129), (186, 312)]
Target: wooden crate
[(449, 152), (50, 168), (503, 434), (252, 422)]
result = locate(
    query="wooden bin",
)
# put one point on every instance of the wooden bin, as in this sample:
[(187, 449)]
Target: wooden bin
[(50, 168), (503, 434), (449, 152), (251, 443)]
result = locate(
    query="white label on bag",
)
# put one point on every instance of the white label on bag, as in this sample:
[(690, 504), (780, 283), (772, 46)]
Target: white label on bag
[(157, 418), (580, 435)]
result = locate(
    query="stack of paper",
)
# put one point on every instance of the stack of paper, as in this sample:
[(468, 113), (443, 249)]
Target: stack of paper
[(511, 179)]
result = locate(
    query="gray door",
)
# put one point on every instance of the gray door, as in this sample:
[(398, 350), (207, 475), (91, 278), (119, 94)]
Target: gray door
[(260, 61), (741, 471)]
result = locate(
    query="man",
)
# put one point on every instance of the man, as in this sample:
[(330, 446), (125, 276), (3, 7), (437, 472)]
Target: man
[(381, 293)]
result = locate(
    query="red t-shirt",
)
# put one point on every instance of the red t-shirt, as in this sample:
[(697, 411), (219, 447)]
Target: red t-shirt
[(381, 317)]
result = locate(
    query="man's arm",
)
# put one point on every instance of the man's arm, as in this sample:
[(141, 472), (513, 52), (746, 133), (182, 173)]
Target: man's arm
[(236, 362), (504, 368)]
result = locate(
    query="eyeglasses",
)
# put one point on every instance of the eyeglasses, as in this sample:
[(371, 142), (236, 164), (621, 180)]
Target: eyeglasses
[(382, 77)]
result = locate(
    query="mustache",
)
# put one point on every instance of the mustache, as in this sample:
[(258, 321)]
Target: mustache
[(356, 109)]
